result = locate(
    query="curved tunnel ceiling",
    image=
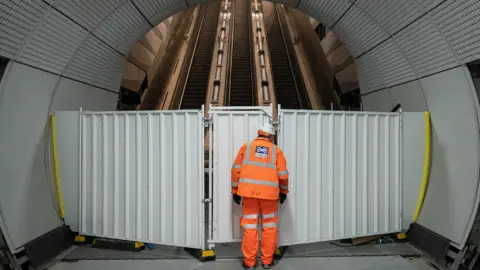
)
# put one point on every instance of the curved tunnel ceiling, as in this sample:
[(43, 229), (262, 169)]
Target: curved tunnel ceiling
[(393, 42)]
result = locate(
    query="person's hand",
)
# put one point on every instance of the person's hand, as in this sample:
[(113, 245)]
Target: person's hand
[(283, 197), (237, 199)]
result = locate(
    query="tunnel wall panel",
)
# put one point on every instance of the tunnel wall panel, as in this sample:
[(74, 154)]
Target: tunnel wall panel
[(451, 199), (380, 101), (413, 157), (72, 95), (27, 196), (410, 96), (68, 151)]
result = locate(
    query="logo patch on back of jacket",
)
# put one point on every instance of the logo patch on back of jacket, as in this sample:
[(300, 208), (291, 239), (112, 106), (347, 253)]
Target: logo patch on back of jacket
[(261, 152)]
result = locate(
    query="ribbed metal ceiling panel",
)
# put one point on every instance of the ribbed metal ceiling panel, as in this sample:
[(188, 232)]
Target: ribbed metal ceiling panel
[(392, 64), (123, 28), (391, 15), (88, 13), (17, 20), (93, 62), (326, 11), (53, 44), (368, 75), (460, 22), (158, 10), (425, 48), (359, 31)]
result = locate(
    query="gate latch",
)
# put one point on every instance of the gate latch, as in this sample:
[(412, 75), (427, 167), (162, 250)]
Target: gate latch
[(206, 121)]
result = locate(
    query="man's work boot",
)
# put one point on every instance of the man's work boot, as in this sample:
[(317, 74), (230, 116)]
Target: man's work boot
[(248, 267), (267, 266)]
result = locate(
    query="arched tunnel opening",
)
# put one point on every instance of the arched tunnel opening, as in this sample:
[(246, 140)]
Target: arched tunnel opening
[(379, 58), (223, 49)]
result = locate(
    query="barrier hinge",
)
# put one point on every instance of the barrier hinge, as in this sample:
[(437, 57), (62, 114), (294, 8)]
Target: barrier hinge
[(206, 121), (207, 200)]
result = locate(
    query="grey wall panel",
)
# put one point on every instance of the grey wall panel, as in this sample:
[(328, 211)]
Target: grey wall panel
[(410, 96), (101, 100), (67, 131), (52, 45), (72, 95), (26, 203), (21, 19), (413, 157), (354, 22), (380, 101), (330, 10), (123, 28), (454, 176), (426, 48), (460, 22), (158, 10), (391, 15), (88, 13)]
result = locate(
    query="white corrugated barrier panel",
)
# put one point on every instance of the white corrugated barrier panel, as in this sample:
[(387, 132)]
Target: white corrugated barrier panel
[(142, 176), (232, 127), (345, 175)]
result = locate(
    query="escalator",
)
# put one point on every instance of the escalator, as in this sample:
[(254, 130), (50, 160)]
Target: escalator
[(242, 87), (197, 83), (289, 88)]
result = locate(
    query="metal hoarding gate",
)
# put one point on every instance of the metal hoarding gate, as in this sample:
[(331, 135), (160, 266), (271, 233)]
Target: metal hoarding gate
[(232, 127), (142, 176), (345, 175)]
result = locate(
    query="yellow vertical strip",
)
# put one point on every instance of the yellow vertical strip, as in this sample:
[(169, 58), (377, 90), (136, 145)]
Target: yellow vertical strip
[(55, 165), (426, 166)]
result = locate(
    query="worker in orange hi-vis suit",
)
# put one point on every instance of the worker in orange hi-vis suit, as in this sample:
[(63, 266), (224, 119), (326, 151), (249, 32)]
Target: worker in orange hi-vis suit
[(260, 178)]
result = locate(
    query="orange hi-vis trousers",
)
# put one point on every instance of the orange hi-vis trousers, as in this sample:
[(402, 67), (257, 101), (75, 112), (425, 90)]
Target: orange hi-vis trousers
[(253, 209)]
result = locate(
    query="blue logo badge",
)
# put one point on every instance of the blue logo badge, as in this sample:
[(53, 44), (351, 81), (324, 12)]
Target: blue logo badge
[(261, 152)]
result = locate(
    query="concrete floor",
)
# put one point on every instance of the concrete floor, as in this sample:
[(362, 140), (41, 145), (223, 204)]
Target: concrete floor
[(395, 256), (337, 263)]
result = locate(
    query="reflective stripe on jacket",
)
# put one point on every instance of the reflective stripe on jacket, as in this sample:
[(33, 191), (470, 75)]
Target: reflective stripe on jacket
[(260, 171)]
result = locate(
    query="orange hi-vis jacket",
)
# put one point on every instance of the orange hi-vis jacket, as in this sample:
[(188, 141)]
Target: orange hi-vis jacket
[(260, 171)]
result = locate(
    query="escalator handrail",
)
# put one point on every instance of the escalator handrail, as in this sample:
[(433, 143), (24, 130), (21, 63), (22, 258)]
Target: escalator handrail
[(302, 98)]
